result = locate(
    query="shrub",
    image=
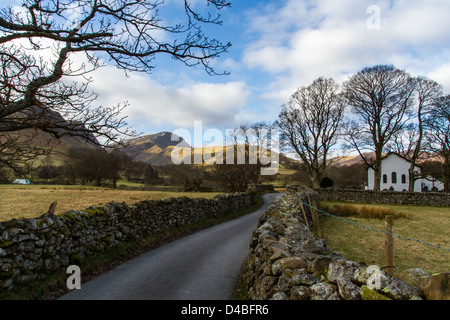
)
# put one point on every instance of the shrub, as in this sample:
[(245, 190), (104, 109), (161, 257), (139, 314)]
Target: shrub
[(363, 212), (326, 183)]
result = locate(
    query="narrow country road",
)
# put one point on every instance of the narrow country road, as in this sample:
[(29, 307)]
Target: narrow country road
[(202, 266)]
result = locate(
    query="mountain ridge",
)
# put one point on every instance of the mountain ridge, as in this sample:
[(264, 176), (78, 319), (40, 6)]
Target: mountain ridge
[(155, 149)]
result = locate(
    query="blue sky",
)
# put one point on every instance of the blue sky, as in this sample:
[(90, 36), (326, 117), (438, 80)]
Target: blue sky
[(277, 47)]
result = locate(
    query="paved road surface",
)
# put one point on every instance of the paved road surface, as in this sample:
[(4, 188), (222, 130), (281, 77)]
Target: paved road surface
[(202, 266)]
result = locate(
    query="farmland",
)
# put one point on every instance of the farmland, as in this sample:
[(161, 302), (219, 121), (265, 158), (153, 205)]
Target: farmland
[(31, 201), (428, 224)]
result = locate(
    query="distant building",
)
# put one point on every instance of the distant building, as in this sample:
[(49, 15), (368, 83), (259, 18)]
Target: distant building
[(395, 176), (22, 181)]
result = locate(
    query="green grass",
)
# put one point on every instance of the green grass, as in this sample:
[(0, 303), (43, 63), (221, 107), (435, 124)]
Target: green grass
[(30, 201), (428, 224), (126, 183)]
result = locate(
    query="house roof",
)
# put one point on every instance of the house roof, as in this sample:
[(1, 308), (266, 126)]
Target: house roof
[(399, 155)]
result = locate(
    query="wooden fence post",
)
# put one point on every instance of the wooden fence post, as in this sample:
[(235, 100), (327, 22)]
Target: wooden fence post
[(389, 245), (304, 213), (315, 217), (52, 207)]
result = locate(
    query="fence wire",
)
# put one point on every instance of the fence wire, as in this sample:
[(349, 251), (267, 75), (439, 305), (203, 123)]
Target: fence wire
[(373, 229)]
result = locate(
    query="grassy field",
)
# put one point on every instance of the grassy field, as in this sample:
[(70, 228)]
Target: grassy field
[(31, 201), (428, 224)]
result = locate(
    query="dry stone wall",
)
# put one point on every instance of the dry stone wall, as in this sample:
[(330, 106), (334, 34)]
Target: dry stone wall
[(288, 262), (437, 199), (31, 248)]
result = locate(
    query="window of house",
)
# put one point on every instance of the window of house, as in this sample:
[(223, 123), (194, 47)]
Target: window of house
[(403, 178), (384, 178), (394, 177)]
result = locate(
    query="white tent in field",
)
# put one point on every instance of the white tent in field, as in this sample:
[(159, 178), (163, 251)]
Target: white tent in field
[(22, 181)]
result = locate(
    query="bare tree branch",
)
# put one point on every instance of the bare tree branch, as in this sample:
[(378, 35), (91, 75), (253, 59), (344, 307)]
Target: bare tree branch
[(311, 121), (39, 40), (379, 97), (437, 136)]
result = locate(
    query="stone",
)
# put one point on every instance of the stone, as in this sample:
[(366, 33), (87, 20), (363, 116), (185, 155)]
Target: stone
[(300, 293), (291, 222), (39, 243), (414, 276), (279, 296), (266, 285), (342, 268), (19, 238), (7, 284), (299, 277), (7, 265), (287, 263), (436, 287), (13, 231), (320, 264), (31, 224), (400, 290), (371, 294), (322, 291), (348, 290), (13, 223), (31, 256), (334, 296), (372, 277), (266, 226), (266, 239), (4, 235), (277, 246), (284, 283), (279, 255)]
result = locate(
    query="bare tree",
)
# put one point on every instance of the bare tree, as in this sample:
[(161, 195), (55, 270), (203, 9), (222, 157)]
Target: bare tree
[(409, 141), (237, 176), (16, 152), (438, 136), (191, 176), (247, 152), (310, 123), (40, 38), (379, 98)]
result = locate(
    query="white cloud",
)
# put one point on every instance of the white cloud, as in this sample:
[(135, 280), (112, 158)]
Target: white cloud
[(155, 105), (309, 39), (442, 76)]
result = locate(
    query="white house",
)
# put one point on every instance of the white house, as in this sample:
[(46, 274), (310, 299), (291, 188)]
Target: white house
[(394, 176)]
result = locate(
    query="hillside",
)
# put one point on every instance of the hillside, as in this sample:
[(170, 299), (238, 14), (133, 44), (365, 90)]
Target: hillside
[(43, 140), (351, 160), (155, 149), (60, 147)]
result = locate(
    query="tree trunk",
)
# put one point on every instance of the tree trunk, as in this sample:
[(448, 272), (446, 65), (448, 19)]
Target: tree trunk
[(377, 179), (377, 167), (315, 179), (412, 178), (447, 174)]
